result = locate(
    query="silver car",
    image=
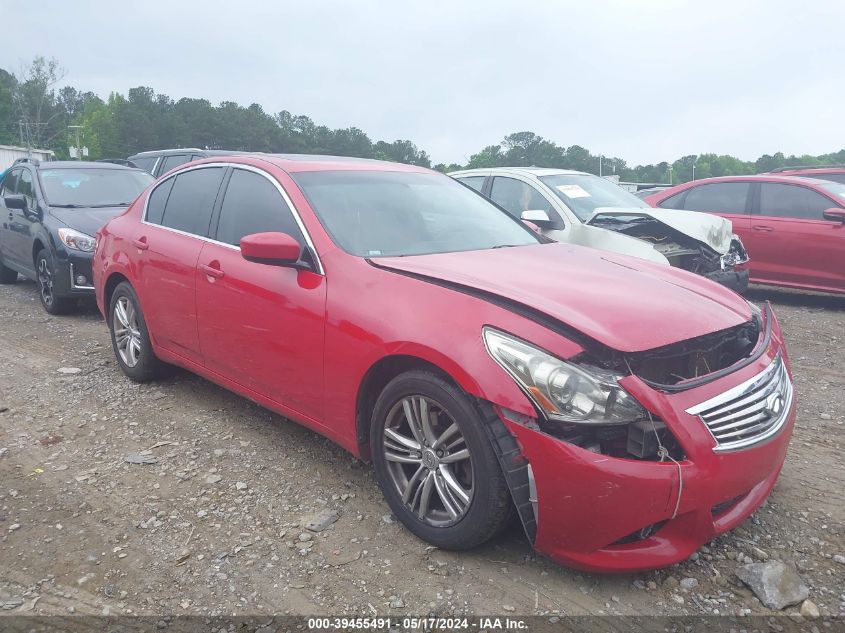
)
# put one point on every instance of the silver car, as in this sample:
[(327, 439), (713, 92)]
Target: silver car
[(584, 209)]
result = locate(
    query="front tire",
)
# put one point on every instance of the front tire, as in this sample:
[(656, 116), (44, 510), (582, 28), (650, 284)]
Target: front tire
[(129, 336), (45, 273), (435, 464)]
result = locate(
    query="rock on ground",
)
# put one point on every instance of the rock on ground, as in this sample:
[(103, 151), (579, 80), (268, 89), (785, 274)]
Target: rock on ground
[(775, 584)]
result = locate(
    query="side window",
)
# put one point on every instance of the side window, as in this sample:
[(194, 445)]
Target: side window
[(476, 182), (516, 196), (191, 200), (197, 157), (10, 182), (673, 202), (791, 201), (722, 197), (173, 161), (158, 198), (145, 162), (252, 204), (25, 187)]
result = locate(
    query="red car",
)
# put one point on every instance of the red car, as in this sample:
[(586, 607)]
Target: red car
[(836, 173), (485, 371), (793, 227)]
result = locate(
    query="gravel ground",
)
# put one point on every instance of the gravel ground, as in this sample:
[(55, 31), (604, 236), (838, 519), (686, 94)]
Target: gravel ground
[(215, 524)]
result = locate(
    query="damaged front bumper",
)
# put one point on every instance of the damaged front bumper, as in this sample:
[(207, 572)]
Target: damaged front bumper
[(596, 512)]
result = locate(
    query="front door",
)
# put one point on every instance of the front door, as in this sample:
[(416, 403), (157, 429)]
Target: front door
[(261, 325)]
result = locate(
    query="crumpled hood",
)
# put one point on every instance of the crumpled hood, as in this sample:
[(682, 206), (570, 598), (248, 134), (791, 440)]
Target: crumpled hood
[(626, 303), (706, 228), (86, 220)]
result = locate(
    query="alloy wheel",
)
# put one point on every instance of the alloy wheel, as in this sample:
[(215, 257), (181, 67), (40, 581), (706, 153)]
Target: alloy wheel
[(45, 281), (428, 461), (127, 335)]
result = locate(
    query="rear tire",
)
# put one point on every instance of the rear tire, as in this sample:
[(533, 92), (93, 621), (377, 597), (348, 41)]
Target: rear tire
[(129, 336), (445, 458), (45, 272)]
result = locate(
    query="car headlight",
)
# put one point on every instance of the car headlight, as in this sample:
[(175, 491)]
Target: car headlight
[(77, 241), (564, 391)]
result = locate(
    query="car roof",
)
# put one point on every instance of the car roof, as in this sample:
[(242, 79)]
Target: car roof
[(531, 171), (809, 169), (317, 162), (756, 178), (166, 152), (81, 164)]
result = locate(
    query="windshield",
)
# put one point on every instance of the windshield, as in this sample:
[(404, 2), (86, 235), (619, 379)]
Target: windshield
[(584, 193), (835, 189), (382, 213), (78, 187)]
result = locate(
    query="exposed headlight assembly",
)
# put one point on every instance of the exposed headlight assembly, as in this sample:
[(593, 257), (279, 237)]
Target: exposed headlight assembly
[(564, 391), (77, 241)]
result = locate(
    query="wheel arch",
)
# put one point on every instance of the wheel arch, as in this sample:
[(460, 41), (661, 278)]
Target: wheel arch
[(112, 282), (376, 379)]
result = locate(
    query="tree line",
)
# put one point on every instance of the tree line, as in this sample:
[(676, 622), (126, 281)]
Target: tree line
[(36, 112)]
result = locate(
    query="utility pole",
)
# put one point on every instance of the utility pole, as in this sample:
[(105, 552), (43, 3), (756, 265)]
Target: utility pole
[(78, 129), (695, 158), (600, 157)]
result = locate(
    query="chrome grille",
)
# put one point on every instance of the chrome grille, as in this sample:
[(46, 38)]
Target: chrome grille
[(750, 412)]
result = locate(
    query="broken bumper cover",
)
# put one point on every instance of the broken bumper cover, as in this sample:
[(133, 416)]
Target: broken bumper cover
[(736, 280), (600, 513)]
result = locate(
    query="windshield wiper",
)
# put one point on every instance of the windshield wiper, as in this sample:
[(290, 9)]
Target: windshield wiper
[(113, 204), (68, 206), (506, 245)]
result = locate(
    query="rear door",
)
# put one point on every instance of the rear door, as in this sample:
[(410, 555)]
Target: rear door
[(261, 325), (797, 246), (7, 216), (169, 241)]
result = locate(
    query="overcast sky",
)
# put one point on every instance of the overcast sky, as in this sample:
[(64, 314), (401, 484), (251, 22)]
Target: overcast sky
[(644, 80)]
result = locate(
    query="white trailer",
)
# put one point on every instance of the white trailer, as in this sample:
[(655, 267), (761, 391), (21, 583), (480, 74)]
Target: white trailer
[(10, 153)]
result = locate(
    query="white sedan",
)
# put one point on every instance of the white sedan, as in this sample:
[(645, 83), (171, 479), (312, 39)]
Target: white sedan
[(580, 208)]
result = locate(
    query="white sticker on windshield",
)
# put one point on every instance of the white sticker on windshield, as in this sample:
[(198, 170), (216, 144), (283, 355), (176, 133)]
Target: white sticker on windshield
[(573, 191)]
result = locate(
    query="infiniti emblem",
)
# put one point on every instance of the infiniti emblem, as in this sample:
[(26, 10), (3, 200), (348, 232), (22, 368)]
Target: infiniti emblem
[(774, 405)]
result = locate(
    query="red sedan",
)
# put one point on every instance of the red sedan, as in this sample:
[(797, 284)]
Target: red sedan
[(625, 411), (792, 227)]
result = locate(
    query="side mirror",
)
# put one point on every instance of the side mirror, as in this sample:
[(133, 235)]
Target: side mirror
[(275, 249), (834, 215), (538, 217), (15, 202)]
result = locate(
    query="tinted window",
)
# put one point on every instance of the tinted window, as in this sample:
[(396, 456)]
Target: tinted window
[(792, 201), (25, 186), (383, 213), (516, 196), (146, 163), (476, 182), (253, 205), (10, 182), (172, 161), (673, 202), (158, 198), (723, 197), (191, 200)]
